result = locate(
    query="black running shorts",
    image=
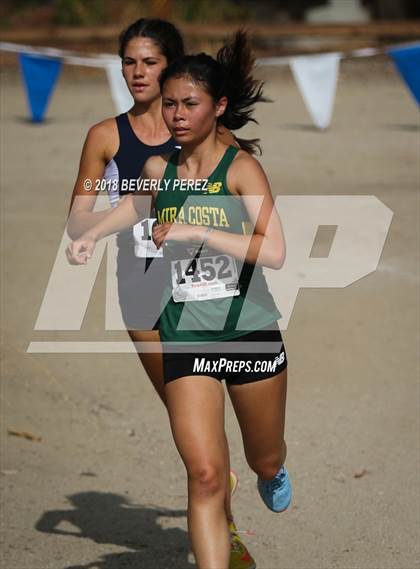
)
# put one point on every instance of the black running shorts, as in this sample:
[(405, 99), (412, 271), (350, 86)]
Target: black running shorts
[(252, 357), (140, 286)]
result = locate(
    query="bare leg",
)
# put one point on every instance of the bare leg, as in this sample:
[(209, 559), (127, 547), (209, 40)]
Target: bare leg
[(152, 363), (196, 411), (228, 496), (260, 408)]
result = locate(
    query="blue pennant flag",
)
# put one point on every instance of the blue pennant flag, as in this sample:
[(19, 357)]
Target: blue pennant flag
[(407, 61), (40, 75)]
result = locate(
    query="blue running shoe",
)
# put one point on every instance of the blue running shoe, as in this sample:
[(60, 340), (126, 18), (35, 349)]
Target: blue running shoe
[(277, 492)]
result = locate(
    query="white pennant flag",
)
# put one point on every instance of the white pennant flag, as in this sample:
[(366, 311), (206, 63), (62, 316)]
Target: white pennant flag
[(121, 96), (316, 76)]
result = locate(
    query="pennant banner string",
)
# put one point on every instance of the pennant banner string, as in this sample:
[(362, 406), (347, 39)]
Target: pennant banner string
[(315, 74), (71, 57), (103, 60)]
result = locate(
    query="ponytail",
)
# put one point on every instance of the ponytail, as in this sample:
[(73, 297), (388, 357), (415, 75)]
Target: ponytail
[(241, 89), (230, 76)]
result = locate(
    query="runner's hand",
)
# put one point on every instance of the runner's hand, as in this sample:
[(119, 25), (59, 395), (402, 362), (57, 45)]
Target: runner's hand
[(78, 252), (175, 232)]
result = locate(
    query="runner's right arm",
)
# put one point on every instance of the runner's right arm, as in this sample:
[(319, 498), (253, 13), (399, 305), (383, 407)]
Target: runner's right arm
[(121, 217), (100, 145), (127, 213)]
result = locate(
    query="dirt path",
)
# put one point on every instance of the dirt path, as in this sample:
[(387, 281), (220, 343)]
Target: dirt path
[(104, 488)]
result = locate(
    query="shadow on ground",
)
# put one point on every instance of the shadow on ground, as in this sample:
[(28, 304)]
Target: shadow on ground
[(403, 127), (111, 518), (302, 127)]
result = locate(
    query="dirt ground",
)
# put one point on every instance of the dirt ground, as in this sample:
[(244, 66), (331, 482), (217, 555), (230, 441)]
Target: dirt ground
[(105, 488)]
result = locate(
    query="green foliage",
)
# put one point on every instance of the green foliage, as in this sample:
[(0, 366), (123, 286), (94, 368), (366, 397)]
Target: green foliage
[(19, 4), (210, 10), (80, 12), (105, 12)]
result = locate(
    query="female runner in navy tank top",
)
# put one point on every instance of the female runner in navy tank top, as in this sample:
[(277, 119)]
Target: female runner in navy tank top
[(117, 149)]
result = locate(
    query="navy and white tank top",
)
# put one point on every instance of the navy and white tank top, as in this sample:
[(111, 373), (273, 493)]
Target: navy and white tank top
[(127, 164), (122, 173)]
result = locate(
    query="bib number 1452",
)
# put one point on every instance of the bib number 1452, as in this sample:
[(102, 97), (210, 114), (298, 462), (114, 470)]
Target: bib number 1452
[(204, 278)]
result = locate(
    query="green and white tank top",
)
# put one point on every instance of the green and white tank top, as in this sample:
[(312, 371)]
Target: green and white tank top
[(209, 295)]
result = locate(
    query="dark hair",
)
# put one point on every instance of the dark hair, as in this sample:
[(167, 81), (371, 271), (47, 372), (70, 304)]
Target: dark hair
[(229, 75), (163, 33)]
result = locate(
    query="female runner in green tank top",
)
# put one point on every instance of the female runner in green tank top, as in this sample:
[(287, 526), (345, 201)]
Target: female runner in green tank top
[(217, 308), (147, 46)]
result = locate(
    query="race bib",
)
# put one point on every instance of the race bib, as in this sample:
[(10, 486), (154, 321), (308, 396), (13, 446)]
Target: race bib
[(144, 245), (204, 278)]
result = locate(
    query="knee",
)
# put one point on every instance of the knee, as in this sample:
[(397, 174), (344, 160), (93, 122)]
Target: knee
[(267, 465), (207, 480)]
